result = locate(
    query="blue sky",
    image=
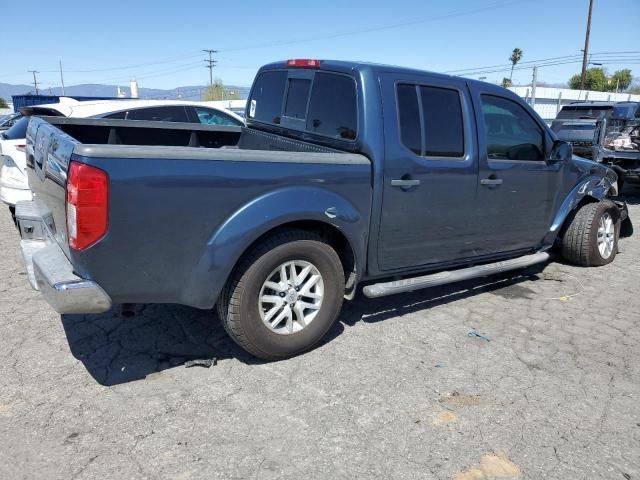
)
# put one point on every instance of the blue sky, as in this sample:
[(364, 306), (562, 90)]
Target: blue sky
[(160, 42)]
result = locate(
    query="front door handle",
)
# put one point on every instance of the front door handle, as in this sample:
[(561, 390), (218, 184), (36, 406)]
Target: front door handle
[(405, 183), (491, 182)]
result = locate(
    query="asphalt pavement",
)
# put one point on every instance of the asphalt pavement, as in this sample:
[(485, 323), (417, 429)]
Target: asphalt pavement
[(531, 375)]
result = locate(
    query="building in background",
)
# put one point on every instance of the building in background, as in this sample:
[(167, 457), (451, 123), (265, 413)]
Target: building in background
[(548, 101), (134, 88)]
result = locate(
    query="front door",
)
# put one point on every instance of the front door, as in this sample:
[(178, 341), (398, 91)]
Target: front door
[(430, 172), (517, 184)]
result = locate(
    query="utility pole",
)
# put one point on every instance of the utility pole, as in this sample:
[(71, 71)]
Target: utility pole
[(210, 64), (534, 81), (61, 77), (583, 77), (35, 80)]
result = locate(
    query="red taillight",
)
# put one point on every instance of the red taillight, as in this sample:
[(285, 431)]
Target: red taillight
[(21, 148), (87, 205), (303, 62)]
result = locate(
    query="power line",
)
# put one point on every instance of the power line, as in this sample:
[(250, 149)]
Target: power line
[(379, 27), (607, 57), (564, 57), (35, 80), (127, 67), (453, 14), (508, 65), (210, 63)]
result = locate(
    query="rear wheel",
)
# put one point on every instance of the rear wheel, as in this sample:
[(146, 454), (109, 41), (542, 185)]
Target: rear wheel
[(284, 296), (591, 238)]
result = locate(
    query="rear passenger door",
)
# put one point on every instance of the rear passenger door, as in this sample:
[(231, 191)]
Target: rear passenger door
[(518, 185), (430, 172)]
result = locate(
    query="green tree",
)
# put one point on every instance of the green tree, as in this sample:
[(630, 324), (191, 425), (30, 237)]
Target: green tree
[(3, 103), (596, 79), (515, 57), (506, 82), (621, 79), (218, 91)]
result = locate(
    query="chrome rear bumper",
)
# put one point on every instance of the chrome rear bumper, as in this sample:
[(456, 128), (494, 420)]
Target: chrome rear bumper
[(51, 272)]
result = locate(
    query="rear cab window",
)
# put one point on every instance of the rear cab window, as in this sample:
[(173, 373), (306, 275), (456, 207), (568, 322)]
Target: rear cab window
[(309, 101)]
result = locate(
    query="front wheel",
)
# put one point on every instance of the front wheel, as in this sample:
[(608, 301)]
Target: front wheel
[(284, 296), (591, 239)]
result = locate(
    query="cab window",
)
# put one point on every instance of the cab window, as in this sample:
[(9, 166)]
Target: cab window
[(510, 132), (430, 120)]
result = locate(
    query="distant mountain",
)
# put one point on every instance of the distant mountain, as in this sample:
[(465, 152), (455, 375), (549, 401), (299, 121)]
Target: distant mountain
[(97, 90)]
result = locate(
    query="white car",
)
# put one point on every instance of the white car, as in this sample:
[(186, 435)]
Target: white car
[(14, 185)]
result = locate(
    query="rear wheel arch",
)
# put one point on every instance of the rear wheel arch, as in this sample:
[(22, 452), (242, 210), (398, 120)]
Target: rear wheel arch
[(326, 232), (276, 251)]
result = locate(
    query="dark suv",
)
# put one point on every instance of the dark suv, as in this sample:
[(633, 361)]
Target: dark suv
[(607, 132), (617, 141)]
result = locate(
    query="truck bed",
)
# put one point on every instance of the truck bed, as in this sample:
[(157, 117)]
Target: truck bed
[(169, 198)]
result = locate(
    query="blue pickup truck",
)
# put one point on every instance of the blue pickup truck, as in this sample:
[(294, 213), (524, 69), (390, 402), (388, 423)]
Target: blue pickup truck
[(347, 175)]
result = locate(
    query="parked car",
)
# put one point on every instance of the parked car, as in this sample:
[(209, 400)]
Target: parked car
[(616, 141), (326, 190), (14, 185), (13, 180), (7, 121), (576, 123), (157, 111)]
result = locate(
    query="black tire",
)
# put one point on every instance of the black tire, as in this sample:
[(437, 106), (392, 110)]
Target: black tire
[(238, 305), (580, 240)]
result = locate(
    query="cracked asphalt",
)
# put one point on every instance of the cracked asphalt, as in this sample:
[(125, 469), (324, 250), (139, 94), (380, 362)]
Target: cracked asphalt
[(549, 388)]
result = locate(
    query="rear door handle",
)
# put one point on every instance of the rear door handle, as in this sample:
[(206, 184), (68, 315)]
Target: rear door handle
[(405, 183), (491, 181)]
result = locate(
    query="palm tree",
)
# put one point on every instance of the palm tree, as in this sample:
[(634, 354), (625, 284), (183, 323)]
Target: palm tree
[(515, 57)]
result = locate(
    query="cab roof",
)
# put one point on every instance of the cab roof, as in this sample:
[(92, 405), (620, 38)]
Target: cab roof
[(351, 67)]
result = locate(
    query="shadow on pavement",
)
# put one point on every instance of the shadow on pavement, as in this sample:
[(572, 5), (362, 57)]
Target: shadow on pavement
[(116, 349), (631, 193)]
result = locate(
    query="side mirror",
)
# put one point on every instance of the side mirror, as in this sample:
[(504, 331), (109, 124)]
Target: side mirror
[(561, 151)]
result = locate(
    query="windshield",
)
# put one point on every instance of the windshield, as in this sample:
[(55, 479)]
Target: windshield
[(585, 111), (9, 120), (18, 130), (626, 111)]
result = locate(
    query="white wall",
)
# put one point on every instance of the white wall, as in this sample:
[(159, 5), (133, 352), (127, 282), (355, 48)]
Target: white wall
[(549, 101)]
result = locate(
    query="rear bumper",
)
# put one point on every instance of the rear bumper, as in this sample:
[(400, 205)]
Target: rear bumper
[(51, 272)]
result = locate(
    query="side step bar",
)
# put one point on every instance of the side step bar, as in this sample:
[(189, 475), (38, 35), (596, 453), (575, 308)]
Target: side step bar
[(440, 278)]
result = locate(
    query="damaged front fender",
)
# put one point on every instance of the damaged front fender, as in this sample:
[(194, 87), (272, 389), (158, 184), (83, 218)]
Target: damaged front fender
[(595, 187)]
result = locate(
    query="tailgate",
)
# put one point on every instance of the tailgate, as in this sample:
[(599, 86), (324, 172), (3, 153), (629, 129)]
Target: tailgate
[(575, 130), (48, 154)]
